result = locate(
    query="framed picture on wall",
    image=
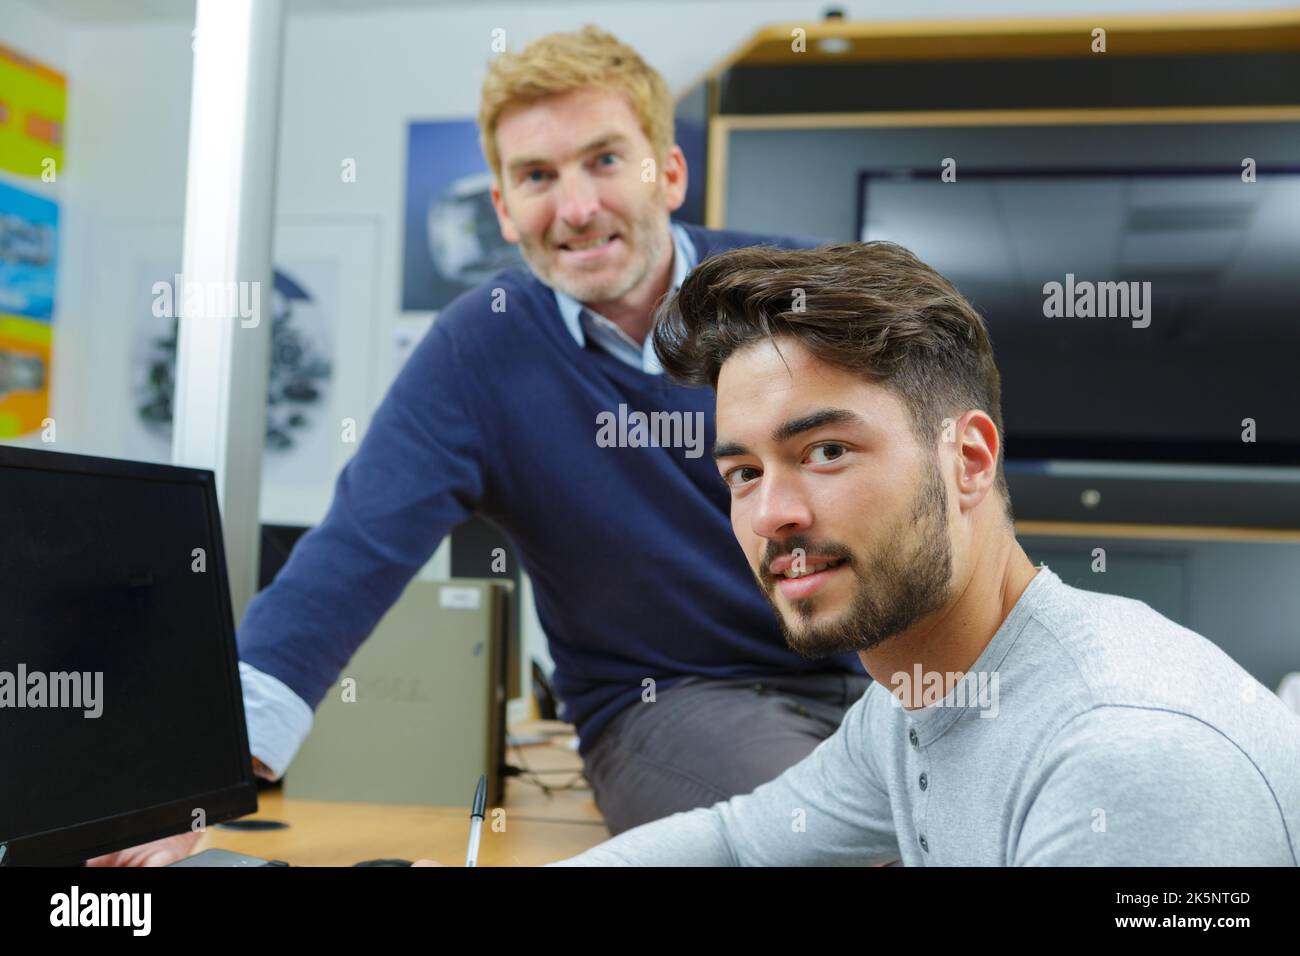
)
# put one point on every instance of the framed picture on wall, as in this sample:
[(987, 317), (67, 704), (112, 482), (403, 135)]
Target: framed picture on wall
[(325, 328), (451, 240)]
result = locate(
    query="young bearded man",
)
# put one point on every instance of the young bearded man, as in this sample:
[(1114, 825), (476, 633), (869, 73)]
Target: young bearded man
[(1014, 720), (499, 412)]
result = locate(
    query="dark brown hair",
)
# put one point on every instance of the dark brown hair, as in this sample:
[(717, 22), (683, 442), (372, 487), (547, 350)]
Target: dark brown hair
[(870, 308)]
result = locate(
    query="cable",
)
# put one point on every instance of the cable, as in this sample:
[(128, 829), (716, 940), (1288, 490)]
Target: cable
[(529, 775)]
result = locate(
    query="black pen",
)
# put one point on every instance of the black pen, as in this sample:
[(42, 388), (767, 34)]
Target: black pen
[(476, 820)]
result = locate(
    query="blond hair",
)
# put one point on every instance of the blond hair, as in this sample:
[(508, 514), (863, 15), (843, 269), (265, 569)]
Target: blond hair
[(564, 62)]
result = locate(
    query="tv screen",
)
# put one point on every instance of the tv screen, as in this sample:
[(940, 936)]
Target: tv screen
[(1136, 314)]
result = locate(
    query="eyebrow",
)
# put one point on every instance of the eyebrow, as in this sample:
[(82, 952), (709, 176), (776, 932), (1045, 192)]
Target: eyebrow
[(794, 427), (607, 139)]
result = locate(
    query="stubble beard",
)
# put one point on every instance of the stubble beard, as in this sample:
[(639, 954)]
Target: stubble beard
[(645, 235), (896, 586)]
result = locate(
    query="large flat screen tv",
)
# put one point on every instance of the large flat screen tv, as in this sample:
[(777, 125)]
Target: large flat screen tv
[(1138, 314)]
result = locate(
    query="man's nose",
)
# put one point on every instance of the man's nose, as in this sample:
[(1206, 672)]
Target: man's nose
[(782, 508), (578, 201)]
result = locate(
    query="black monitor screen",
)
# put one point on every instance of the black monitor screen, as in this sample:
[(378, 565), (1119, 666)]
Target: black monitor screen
[(118, 684), (1178, 312)]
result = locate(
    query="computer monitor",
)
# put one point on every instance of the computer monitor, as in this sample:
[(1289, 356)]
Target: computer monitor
[(121, 713)]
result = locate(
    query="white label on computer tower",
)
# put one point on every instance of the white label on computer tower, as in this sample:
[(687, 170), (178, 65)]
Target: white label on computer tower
[(464, 599)]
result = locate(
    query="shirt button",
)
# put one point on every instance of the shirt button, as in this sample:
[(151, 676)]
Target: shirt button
[(759, 688), (924, 782), (911, 735), (924, 845)]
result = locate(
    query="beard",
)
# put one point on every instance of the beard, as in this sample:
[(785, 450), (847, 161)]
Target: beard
[(907, 577), (644, 234)]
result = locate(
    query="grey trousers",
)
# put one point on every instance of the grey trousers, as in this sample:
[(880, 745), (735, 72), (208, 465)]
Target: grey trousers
[(705, 740)]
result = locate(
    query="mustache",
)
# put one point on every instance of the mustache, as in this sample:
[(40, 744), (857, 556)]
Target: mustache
[(790, 545)]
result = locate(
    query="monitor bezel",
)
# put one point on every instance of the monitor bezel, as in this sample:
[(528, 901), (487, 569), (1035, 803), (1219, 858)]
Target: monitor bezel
[(80, 841)]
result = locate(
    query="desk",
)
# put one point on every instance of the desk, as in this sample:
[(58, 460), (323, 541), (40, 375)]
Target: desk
[(538, 828)]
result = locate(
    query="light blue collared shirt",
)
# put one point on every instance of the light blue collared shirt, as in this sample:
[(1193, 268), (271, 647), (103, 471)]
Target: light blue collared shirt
[(582, 321)]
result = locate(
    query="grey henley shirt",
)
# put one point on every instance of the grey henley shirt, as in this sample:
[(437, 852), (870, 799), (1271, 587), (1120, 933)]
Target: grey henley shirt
[(1090, 731)]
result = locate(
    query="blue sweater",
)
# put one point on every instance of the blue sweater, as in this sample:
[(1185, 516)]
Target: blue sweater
[(635, 570)]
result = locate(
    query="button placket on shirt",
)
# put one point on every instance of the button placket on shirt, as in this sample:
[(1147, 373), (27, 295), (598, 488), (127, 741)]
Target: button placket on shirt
[(922, 782)]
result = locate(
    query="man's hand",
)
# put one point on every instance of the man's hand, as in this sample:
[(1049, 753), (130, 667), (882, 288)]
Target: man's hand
[(158, 853), (169, 849)]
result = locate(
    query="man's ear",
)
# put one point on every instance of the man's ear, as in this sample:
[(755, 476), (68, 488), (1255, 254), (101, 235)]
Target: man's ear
[(508, 231), (675, 177), (976, 445)]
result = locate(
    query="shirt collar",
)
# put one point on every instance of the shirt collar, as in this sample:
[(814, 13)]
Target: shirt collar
[(683, 263), (932, 721)]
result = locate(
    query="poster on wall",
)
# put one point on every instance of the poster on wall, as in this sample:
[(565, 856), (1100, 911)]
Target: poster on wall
[(451, 240), (28, 259), (32, 102), (325, 331), (31, 117), (299, 414)]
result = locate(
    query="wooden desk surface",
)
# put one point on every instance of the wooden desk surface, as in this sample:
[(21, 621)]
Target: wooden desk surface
[(538, 828)]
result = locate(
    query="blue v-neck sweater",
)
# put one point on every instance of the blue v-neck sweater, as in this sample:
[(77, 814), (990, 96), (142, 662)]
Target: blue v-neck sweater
[(636, 573)]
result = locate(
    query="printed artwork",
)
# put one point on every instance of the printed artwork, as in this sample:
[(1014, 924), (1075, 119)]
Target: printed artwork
[(31, 156), (452, 240), (303, 304)]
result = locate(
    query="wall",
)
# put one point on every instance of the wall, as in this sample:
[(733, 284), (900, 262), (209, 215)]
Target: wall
[(32, 31)]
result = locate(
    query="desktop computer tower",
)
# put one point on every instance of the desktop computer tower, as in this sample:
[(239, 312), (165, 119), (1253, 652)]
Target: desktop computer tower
[(419, 712)]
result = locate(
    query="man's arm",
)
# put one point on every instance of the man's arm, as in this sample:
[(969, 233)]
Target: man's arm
[(1130, 786), (830, 809), (417, 474)]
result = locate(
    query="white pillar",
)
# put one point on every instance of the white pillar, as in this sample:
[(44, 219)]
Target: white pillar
[(225, 333)]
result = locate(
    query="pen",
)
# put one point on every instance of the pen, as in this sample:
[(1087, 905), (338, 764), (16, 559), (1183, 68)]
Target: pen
[(476, 820)]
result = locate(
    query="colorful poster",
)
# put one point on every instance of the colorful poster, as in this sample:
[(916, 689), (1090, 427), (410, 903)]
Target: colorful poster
[(33, 98), (28, 253), (24, 375), (28, 257), (32, 102)]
